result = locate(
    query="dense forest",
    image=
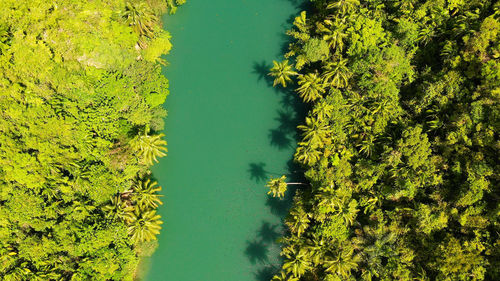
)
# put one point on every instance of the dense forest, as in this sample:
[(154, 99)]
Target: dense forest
[(81, 94), (400, 146)]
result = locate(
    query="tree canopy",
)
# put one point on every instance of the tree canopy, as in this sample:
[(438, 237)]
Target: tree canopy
[(400, 145), (81, 94)]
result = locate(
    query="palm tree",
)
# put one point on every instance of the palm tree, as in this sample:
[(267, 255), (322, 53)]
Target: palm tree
[(301, 22), (336, 74), (18, 273), (298, 220), (277, 187), (335, 39), (281, 72), (426, 34), (349, 213), (298, 262), (315, 131), (307, 154), (145, 194), (343, 6), (343, 263), (4, 37), (149, 147), (282, 276), (333, 34), (367, 145), (120, 210), (405, 6), (311, 87), (323, 110), (140, 17), (377, 244), (144, 226), (316, 246), (44, 273)]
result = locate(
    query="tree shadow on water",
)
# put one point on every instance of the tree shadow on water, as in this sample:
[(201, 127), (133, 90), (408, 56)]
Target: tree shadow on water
[(266, 273), (261, 69), (263, 249), (284, 136), (256, 251), (280, 139), (299, 4), (287, 120), (280, 207), (268, 233), (257, 171)]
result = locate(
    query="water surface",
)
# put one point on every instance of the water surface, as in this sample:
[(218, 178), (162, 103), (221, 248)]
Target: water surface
[(228, 131)]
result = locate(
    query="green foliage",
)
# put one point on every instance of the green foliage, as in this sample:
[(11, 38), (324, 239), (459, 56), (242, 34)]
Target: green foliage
[(140, 17), (281, 72), (78, 81), (400, 145), (148, 148), (316, 49), (146, 194), (173, 5), (147, 248), (311, 87), (277, 187), (157, 47), (144, 226)]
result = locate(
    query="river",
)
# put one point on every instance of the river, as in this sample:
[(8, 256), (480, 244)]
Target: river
[(228, 131)]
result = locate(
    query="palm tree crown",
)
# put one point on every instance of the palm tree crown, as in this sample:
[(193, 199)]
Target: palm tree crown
[(144, 226), (336, 74), (343, 6), (119, 209), (145, 194), (311, 87), (140, 17), (281, 71), (315, 131), (277, 187), (149, 147)]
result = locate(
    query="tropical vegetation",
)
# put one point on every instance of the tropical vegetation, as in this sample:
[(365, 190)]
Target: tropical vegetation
[(400, 146), (81, 94)]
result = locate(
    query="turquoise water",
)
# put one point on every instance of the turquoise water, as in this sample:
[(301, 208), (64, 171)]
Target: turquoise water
[(228, 131)]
